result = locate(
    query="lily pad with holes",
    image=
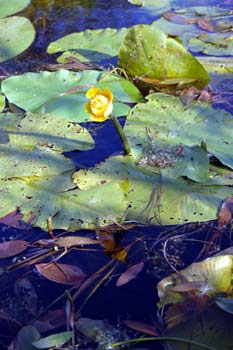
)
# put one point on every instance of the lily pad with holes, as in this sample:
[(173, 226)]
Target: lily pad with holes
[(150, 53), (45, 130), (153, 198), (89, 45), (62, 93), (163, 125)]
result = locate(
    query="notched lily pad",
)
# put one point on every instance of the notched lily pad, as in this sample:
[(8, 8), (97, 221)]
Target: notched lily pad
[(90, 45), (62, 93)]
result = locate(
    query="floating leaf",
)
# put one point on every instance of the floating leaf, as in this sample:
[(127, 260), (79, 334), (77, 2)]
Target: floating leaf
[(61, 273), (158, 6), (53, 340), (165, 121), (62, 93), (90, 45), (150, 198), (216, 44), (147, 51), (9, 8), (12, 248), (131, 273), (45, 130), (16, 35)]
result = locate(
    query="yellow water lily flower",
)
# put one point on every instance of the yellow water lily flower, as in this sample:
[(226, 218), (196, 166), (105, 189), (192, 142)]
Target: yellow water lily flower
[(100, 105)]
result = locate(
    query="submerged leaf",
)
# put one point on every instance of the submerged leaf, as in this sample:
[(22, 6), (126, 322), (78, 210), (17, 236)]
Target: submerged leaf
[(12, 248), (142, 327), (53, 340), (131, 273), (61, 273)]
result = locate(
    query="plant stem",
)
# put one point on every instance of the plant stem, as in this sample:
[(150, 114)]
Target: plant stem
[(175, 339), (121, 134)]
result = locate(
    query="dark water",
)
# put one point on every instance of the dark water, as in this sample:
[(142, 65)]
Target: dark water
[(136, 300)]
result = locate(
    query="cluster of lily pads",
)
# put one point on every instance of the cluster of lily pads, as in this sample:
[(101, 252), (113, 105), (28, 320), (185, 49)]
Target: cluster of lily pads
[(180, 166)]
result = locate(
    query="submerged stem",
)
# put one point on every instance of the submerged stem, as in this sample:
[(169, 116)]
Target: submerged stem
[(121, 134)]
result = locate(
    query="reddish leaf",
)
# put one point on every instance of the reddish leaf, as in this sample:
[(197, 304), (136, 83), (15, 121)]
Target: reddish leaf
[(12, 248), (175, 18), (14, 219), (205, 24), (187, 96), (205, 96), (51, 320), (71, 241), (61, 273), (106, 240), (130, 274), (225, 212), (143, 327)]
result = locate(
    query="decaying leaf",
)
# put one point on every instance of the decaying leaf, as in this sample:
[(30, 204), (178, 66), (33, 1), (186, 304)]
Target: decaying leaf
[(225, 212), (15, 219), (12, 248), (142, 327), (51, 320), (61, 273), (131, 273), (70, 241)]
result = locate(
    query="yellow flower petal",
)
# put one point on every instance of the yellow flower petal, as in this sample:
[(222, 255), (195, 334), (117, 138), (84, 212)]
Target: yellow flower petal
[(96, 118), (88, 107), (91, 93), (108, 93)]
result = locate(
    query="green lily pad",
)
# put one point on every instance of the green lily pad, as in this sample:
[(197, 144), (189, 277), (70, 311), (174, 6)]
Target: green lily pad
[(8, 8), (2, 102), (90, 45), (150, 197), (215, 64), (69, 210), (16, 35), (159, 5), (45, 130), (163, 125), (62, 93), (216, 44), (37, 162), (146, 51)]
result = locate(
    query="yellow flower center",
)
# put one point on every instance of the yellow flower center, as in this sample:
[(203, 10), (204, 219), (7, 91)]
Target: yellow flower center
[(99, 104)]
